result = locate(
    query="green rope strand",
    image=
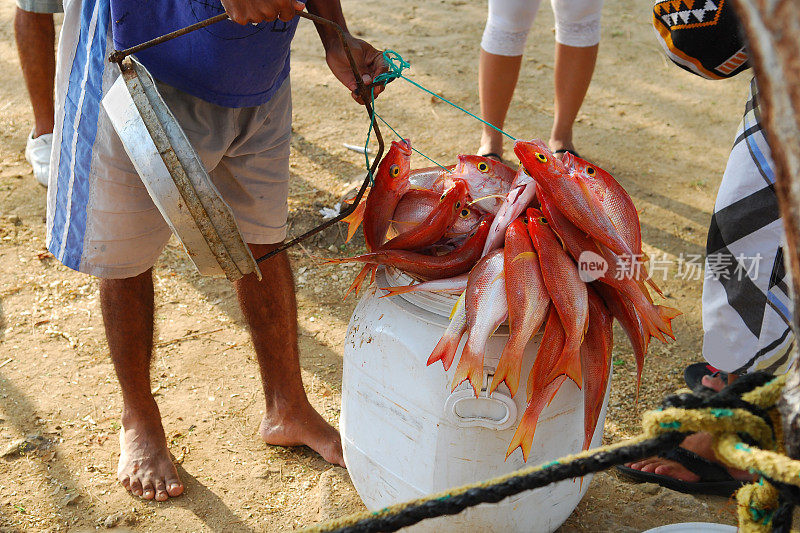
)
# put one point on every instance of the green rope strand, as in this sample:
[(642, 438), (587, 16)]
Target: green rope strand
[(396, 65)]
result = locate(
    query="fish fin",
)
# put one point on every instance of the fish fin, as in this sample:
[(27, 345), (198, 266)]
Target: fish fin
[(445, 350), (523, 436), (470, 368), (394, 291), (667, 314), (524, 255), (356, 285), (569, 364), (460, 301), (508, 368), (354, 220)]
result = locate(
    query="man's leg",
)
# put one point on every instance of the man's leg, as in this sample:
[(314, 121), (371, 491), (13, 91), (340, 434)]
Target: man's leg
[(35, 36), (270, 310), (145, 467)]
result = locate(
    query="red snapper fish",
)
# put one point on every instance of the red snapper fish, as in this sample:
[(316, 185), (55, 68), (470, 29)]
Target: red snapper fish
[(522, 193), (595, 364), (541, 389), (656, 319), (527, 303), (445, 350), (435, 225), (417, 204), (571, 195), (426, 178), (450, 264), (486, 310), (566, 290), (616, 202), (486, 179), (623, 310), (390, 184)]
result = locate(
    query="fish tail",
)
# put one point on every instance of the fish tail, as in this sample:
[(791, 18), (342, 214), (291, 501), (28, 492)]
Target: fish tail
[(667, 314), (470, 368), (445, 350), (523, 436), (569, 364), (394, 291), (509, 367)]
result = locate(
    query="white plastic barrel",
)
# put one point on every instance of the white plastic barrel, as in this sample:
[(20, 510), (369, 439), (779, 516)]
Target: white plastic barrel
[(406, 435)]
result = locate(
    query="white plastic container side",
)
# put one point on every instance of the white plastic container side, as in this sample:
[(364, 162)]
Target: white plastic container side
[(406, 435)]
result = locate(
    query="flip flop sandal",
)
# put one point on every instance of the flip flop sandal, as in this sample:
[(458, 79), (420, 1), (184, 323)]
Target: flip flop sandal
[(493, 155), (714, 478), (694, 373), (566, 151)]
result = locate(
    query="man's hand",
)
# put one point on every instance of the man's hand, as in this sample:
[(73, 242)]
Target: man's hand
[(369, 61), (246, 11)]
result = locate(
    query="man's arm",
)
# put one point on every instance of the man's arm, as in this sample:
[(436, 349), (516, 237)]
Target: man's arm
[(369, 61), (246, 11)]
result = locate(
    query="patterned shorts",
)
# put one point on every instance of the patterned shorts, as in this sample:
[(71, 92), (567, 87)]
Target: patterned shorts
[(746, 303)]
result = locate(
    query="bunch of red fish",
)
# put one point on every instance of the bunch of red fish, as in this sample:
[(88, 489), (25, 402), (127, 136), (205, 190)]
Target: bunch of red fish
[(508, 241)]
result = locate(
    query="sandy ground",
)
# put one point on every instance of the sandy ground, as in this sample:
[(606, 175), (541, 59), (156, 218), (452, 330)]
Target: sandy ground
[(664, 133)]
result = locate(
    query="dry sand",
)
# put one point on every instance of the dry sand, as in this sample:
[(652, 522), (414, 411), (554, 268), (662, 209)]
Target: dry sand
[(662, 132)]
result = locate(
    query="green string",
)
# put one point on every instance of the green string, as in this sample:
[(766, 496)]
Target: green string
[(413, 149), (397, 65)]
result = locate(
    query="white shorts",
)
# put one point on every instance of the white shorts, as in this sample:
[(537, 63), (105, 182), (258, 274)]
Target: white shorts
[(509, 21), (100, 218)]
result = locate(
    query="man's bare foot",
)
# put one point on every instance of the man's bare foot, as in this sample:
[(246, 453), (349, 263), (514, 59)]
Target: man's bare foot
[(145, 467), (699, 443), (302, 427)]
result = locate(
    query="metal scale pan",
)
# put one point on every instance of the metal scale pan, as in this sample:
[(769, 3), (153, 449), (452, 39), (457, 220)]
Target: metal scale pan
[(174, 176)]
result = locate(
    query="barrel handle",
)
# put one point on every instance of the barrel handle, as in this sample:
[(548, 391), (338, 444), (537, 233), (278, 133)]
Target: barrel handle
[(458, 405)]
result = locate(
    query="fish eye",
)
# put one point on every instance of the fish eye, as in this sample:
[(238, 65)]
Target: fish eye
[(464, 213), (590, 171), (541, 157), (442, 196), (458, 204), (525, 220), (394, 171), (542, 220), (483, 166)]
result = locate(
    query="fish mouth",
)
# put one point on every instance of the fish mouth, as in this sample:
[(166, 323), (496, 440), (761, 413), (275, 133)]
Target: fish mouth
[(404, 146)]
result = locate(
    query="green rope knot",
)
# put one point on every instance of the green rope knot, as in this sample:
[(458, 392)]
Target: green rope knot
[(396, 65)]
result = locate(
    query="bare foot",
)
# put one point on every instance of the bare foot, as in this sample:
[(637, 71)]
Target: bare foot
[(302, 427), (699, 443), (716, 383), (145, 467)]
